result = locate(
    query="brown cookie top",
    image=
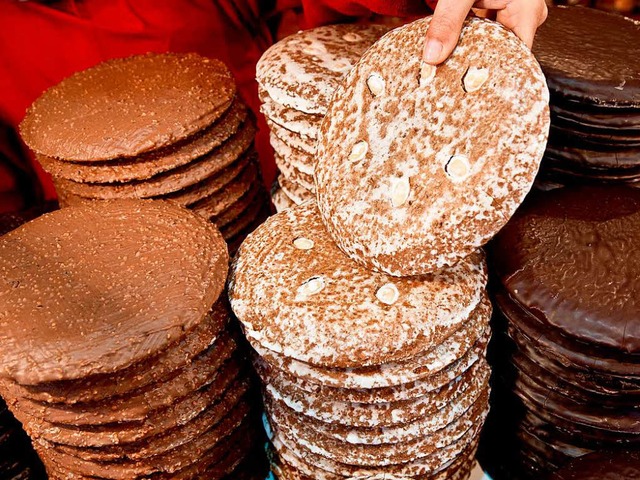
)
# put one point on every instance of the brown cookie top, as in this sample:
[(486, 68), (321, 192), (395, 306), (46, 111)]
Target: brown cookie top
[(303, 70), (569, 257), (147, 165), (94, 289), (419, 166), (298, 295), (128, 106), (590, 56)]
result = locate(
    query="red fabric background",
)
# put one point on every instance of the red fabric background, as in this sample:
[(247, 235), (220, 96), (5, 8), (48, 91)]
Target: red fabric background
[(42, 43)]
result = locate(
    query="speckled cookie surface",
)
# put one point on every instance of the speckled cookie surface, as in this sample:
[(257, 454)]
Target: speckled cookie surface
[(128, 106), (600, 69), (155, 271), (416, 169), (303, 70), (290, 286), (153, 163), (433, 462), (299, 142), (391, 422)]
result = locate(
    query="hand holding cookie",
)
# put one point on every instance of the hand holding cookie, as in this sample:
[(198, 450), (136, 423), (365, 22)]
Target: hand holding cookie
[(522, 16)]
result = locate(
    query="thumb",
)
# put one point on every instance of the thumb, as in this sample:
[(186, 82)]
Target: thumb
[(444, 29)]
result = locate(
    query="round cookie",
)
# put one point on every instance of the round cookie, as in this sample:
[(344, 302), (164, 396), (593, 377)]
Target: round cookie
[(386, 423), (303, 70), (297, 141), (434, 462), (568, 254), (293, 174), (600, 69), (596, 117), (310, 283), (219, 396), (150, 164), (213, 184), (170, 461), (167, 440), (128, 106), (406, 182), (155, 271)]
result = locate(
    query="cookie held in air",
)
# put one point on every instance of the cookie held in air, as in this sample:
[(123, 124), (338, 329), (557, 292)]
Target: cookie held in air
[(419, 166)]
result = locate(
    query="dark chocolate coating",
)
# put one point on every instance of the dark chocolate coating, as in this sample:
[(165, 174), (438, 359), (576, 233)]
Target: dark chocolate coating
[(590, 56), (623, 465), (570, 257)]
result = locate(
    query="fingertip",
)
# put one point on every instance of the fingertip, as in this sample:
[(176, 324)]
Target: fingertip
[(433, 51)]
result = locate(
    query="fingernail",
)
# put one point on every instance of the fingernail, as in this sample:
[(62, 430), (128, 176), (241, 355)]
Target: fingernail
[(432, 50)]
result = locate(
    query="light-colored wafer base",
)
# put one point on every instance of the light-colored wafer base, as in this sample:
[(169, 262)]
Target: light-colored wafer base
[(417, 166)]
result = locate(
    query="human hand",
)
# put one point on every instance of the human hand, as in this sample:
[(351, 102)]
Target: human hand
[(522, 16)]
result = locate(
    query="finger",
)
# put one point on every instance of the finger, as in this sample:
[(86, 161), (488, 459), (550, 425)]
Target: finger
[(524, 18), (444, 29)]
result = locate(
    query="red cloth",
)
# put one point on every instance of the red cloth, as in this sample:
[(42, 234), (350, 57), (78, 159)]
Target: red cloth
[(42, 43)]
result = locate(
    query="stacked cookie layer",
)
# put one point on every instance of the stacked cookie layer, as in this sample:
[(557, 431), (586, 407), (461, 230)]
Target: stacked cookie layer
[(153, 126), (364, 374), (595, 96), (297, 77), (117, 352), (567, 353)]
